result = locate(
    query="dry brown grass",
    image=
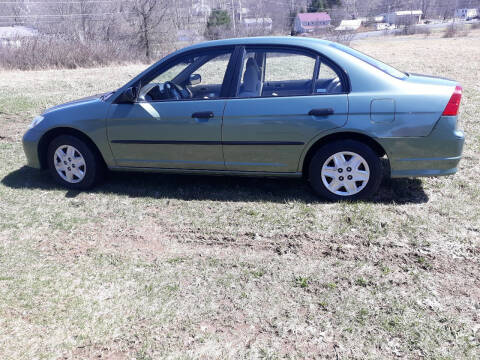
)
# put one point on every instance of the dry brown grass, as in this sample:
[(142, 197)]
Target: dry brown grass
[(45, 52), (157, 266)]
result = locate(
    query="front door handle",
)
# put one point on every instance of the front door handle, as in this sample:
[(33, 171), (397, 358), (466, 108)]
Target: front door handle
[(203, 115), (321, 112)]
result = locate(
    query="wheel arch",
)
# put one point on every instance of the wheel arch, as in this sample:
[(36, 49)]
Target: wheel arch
[(350, 135), (51, 134)]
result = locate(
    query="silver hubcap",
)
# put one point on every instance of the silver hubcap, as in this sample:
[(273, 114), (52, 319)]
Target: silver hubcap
[(345, 173), (69, 163)]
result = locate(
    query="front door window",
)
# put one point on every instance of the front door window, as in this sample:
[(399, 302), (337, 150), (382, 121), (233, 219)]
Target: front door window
[(198, 76)]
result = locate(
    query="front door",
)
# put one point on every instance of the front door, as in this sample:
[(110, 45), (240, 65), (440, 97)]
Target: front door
[(284, 99), (177, 120)]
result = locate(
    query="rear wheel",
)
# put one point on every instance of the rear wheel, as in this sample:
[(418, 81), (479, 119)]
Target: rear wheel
[(345, 170), (73, 164)]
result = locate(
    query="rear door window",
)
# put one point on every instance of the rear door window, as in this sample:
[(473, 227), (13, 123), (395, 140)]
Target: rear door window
[(266, 73), (286, 72)]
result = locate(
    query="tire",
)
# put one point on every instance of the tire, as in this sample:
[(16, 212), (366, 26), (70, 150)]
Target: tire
[(331, 176), (74, 164)]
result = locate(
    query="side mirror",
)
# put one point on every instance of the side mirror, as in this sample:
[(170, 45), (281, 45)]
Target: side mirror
[(129, 96), (195, 79)]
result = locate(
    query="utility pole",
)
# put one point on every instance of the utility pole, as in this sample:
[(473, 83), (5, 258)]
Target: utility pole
[(455, 11), (387, 18), (234, 19), (240, 11)]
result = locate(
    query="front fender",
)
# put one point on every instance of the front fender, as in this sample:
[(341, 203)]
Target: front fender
[(87, 118)]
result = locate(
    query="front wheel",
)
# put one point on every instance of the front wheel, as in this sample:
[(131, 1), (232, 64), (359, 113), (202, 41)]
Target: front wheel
[(73, 163), (345, 170)]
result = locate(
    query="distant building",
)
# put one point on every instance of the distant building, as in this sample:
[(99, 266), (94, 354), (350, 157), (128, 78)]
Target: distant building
[(257, 24), (242, 12), (201, 9), (383, 26), (349, 25), (466, 14), (13, 35), (362, 19), (310, 22), (406, 17)]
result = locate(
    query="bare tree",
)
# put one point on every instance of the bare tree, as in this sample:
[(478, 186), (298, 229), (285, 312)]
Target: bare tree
[(21, 7), (149, 22), (15, 11), (425, 7)]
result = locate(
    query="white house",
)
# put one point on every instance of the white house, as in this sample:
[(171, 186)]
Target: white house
[(257, 24), (13, 35), (201, 9), (466, 14), (405, 17)]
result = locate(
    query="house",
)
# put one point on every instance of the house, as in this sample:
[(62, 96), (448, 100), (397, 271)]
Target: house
[(310, 22), (13, 35), (466, 14), (257, 24), (349, 25), (200, 9), (405, 17)]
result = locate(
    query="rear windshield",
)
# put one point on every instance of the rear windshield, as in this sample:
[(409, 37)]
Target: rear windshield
[(375, 63)]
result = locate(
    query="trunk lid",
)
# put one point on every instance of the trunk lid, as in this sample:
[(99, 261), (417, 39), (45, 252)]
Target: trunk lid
[(429, 80)]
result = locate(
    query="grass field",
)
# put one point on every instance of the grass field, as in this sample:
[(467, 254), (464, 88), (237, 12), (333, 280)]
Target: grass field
[(163, 266)]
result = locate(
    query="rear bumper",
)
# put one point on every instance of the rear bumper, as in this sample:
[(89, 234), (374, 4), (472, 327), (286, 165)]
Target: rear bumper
[(30, 147), (437, 154)]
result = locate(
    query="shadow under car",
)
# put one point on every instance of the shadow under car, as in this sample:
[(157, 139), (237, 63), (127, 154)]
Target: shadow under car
[(214, 188)]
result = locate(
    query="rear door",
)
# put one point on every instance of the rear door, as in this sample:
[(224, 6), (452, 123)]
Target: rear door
[(284, 97)]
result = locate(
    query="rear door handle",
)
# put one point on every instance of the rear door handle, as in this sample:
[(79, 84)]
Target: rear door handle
[(321, 112), (203, 115)]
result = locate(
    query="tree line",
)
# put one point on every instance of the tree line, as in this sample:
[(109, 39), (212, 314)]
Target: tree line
[(98, 31)]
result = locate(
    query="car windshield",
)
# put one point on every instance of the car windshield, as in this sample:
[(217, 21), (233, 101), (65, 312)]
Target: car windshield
[(375, 63), (173, 71)]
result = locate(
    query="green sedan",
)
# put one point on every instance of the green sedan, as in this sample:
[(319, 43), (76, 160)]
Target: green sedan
[(271, 106)]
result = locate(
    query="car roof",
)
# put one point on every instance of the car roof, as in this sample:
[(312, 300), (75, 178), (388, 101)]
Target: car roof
[(367, 77), (263, 40)]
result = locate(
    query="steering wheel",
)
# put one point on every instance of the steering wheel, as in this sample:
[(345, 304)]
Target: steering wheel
[(173, 90)]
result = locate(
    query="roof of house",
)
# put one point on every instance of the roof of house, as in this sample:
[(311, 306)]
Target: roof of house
[(349, 24), (259, 21), (11, 32), (408, 12), (319, 16)]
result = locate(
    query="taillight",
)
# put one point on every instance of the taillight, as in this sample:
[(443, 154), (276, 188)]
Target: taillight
[(452, 107)]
